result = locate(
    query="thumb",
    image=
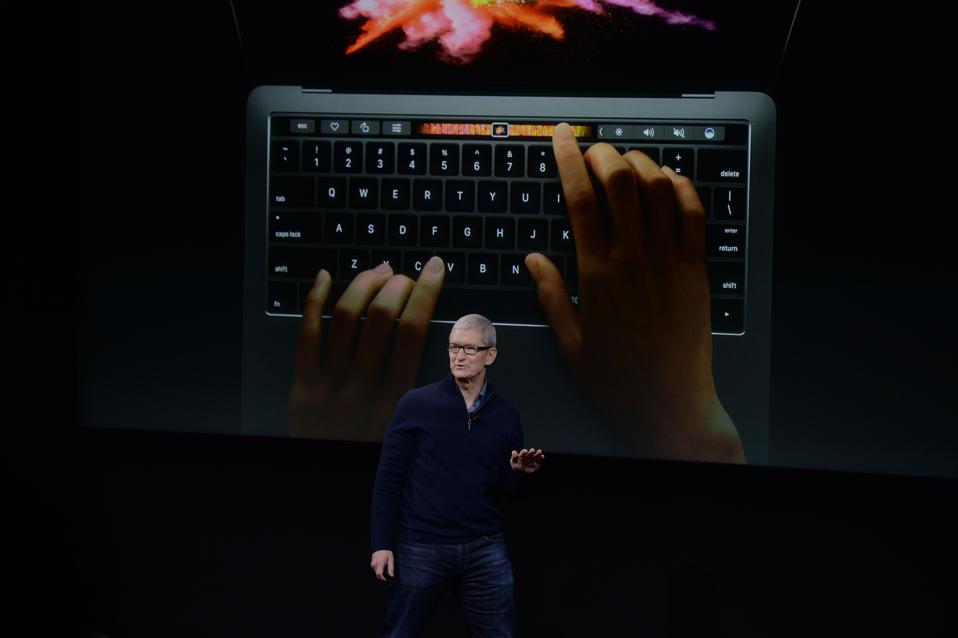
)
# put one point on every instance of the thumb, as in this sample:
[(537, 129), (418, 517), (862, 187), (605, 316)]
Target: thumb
[(558, 308)]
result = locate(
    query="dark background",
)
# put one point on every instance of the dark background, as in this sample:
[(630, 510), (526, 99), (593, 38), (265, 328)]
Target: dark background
[(132, 533)]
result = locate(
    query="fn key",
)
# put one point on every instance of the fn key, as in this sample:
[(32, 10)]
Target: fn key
[(282, 298), (728, 316)]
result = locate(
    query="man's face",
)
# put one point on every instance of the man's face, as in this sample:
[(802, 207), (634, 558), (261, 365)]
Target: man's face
[(464, 366)]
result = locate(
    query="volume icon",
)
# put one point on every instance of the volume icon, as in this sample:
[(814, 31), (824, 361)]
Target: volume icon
[(648, 132)]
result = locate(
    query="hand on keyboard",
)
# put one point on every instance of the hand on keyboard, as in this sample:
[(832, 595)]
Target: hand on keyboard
[(347, 387), (640, 343)]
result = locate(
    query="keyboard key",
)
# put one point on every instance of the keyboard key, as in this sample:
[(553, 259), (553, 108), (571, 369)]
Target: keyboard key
[(542, 162), (348, 157), (525, 197), (493, 197), (533, 234), (434, 231), (726, 241), (500, 233), (282, 298), (352, 262), (396, 194), (460, 196), (284, 156), (510, 160), (371, 229), (295, 228), (414, 261), (300, 263), (728, 315), (467, 232), (412, 159), (380, 158), (332, 192), (317, 156), (427, 194), (363, 192), (455, 264), (292, 191), (483, 269), (391, 257), (728, 203), (722, 165), (553, 199), (514, 271), (401, 230), (477, 160), (444, 159), (679, 160), (521, 306), (338, 228), (726, 277), (562, 240)]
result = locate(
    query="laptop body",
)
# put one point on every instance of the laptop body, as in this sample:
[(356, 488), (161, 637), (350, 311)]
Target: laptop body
[(343, 178)]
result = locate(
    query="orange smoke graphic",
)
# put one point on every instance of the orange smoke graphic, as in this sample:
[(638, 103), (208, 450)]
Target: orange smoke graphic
[(462, 26)]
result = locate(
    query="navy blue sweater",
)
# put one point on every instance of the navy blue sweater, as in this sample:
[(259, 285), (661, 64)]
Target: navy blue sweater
[(441, 475)]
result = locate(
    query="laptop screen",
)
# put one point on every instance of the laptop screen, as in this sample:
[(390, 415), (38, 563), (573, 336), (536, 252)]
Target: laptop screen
[(548, 47)]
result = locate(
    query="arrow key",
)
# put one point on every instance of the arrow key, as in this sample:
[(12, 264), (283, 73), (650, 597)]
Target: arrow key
[(728, 316)]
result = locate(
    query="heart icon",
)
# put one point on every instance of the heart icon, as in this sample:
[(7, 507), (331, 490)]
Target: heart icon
[(334, 126)]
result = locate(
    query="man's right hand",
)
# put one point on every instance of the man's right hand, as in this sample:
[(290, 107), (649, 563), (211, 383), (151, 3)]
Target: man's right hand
[(383, 563)]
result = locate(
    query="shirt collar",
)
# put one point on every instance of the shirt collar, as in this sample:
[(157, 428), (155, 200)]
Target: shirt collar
[(479, 397)]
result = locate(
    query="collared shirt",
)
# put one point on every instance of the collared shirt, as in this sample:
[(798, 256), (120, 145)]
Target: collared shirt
[(477, 403)]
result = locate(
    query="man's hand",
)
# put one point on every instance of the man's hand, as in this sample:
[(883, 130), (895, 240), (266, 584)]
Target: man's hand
[(640, 343), (527, 461), (350, 390), (383, 563)]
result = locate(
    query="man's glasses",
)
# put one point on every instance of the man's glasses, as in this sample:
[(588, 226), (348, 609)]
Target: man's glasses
[(454, 349)]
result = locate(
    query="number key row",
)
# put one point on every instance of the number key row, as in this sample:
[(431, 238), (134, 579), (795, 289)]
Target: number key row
[(413, 158)]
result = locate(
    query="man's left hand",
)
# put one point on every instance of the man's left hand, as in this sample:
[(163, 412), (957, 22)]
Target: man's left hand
[(527, 461)]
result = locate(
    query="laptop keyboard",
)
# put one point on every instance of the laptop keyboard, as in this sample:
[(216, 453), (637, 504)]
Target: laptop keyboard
[(347, 193)]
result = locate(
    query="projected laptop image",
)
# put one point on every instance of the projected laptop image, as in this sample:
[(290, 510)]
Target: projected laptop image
[(392, 132)]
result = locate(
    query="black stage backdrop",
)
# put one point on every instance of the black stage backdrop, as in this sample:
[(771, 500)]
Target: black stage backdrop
[(137, 533)]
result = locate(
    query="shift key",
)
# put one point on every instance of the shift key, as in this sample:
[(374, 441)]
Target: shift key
[(300, 263)]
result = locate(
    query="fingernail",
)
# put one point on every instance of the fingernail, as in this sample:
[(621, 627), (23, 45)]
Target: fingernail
[(563, 132), (434, 265), (666, 168), (320, 277), (533, 266), (383, 268)]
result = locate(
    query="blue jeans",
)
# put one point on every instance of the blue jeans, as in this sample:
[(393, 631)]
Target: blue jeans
[(479, 573)]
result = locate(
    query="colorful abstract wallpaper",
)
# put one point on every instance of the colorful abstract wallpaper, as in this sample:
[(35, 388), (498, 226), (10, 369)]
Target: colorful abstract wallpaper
[(463, 28)]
